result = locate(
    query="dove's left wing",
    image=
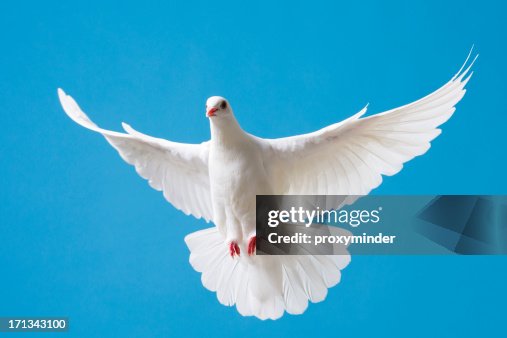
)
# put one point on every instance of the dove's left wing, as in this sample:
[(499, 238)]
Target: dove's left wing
[(350, 157), (179, 170)]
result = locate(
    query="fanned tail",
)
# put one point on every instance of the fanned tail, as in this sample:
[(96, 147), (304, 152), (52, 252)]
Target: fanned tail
[(262, 286)]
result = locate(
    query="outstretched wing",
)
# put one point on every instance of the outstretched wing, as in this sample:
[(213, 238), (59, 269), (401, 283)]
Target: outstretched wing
[(179, 170), (350, 157)]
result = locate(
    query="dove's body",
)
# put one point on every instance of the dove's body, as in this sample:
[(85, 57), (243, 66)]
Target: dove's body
[(218, 181), (237, 175)]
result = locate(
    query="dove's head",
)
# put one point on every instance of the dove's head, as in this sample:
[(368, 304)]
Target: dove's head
[(218, 107)]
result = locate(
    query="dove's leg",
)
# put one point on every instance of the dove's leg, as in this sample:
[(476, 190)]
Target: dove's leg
[(223, 221), (234, 249), (248, 228), (234, 234), (252, 245)]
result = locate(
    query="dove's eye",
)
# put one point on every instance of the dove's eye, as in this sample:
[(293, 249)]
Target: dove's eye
[(223, 105)]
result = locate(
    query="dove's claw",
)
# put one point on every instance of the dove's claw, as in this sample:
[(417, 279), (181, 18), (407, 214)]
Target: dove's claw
[(234, 249), (252, 244)]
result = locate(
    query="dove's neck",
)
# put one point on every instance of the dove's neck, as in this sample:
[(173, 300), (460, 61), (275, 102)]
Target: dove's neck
[(226, 131)]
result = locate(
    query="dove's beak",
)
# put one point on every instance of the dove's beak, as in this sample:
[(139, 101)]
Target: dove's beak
[(211, 112)]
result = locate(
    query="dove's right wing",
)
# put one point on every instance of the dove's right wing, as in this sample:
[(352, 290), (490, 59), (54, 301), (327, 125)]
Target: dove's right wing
[(179, 170)]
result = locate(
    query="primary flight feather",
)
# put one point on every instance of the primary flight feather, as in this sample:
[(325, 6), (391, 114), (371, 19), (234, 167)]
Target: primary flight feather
[(218, 180)]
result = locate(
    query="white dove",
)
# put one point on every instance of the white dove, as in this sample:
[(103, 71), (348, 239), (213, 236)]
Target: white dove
[(218, 180)]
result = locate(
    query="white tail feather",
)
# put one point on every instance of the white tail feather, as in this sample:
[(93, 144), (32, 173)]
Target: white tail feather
[(262, 286)]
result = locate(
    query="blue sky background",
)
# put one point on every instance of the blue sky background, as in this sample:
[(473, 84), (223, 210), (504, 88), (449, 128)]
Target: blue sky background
[(81, 235)]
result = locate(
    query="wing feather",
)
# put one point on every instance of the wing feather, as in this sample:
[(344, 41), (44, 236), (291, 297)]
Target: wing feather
[(350, 157), (179, 170)]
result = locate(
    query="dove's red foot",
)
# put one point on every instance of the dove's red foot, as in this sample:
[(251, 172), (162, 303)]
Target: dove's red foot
[(234, 249), (252, 244)]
